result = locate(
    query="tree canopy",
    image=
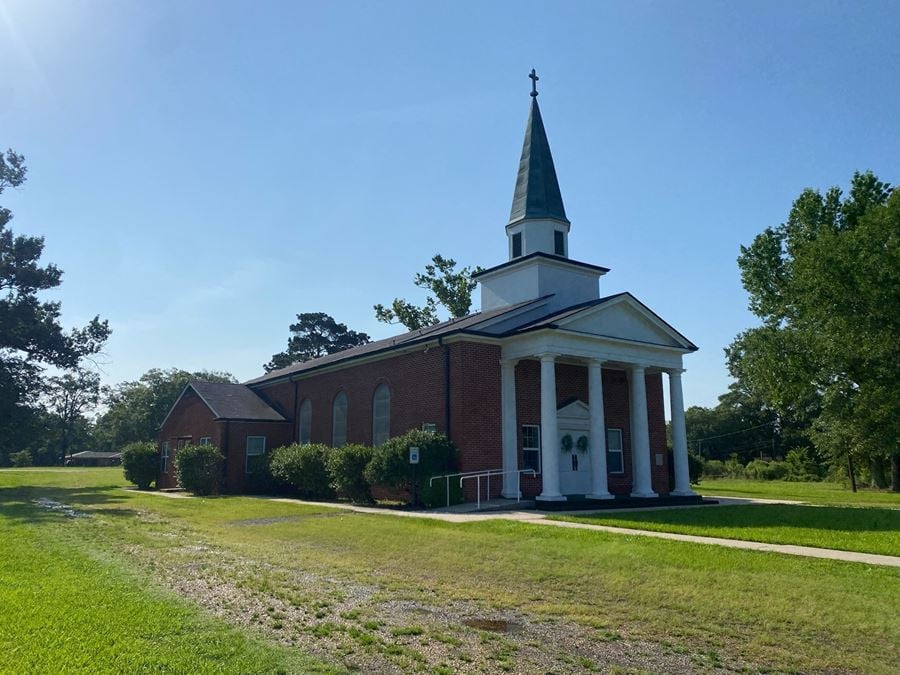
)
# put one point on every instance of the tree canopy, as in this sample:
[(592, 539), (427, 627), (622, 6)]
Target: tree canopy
[(450, 289), (315, 334), (826, 285), (31, 336)]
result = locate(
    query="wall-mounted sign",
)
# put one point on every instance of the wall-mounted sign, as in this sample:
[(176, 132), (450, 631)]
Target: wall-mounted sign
[(413, 455)]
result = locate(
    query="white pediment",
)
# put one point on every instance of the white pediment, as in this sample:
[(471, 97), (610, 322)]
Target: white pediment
[(625, 318), (577, 410)]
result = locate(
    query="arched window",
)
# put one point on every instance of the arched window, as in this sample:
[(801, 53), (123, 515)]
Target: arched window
[(339, 420), (304, 432), (381, 414)]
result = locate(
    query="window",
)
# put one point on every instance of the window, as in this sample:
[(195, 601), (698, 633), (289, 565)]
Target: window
[(339, 420), (256, 447), (517, 245), (531, 447), (164, 458), (182, 442), (381, 414), (304, 433), (559, 243), (206, 440), (614, 460), (429, 427)]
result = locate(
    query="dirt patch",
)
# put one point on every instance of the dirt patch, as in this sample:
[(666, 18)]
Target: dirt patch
[(492, 625)]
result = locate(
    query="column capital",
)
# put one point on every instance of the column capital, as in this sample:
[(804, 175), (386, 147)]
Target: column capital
[(633, 367), (675, 372), (547, 356), (596, 363), (508, 363)]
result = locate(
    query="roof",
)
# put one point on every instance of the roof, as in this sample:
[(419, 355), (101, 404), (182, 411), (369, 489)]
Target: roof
[(229, 401), (95, 454), (465, 324), (541, 254), (537, 192)]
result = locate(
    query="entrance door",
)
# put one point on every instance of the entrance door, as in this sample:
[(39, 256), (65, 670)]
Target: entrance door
[(574, 462)]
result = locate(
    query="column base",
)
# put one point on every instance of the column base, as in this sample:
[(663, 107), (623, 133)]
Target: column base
[(551, 498), (644, 495), (512, 494), (602, 495), (683, 493)]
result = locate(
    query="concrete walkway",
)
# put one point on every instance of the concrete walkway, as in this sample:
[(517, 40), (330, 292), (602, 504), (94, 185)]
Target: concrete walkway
[(538, 518)]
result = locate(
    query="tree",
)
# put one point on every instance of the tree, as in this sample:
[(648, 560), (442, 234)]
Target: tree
[(31, 337), (136, 410), (450, 289), (67, 398), (826, 285), (315, 334)]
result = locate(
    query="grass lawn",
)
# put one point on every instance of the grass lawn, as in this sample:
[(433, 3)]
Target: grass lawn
[(68, 606), (811, 493), (351, 587), (868, 530)]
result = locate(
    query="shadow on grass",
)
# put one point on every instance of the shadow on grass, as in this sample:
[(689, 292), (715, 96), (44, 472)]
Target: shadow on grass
[(837, 518), (24, 504)]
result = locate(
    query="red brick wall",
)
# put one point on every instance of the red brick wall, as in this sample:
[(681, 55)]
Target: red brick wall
[(276, 433), (416, 381), (190, 419), (657, 420)]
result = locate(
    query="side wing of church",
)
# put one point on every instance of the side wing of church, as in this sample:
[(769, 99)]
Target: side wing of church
[(551, 382)]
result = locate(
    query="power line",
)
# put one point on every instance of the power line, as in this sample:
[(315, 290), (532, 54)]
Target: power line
[(732, 433)]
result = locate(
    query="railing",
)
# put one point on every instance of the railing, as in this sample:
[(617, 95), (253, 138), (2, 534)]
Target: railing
[(478, 475)]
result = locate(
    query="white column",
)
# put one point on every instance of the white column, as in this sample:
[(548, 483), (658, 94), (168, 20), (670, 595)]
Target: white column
[(640, 435), (549, 431), (509, 428), (599, 485), (679, 437)]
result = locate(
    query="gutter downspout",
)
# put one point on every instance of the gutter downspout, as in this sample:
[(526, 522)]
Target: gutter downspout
[(296, 431)]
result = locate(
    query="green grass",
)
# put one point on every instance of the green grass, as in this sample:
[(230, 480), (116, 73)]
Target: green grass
[(868, 530), (771, 611), (69, 607), (811, 493)]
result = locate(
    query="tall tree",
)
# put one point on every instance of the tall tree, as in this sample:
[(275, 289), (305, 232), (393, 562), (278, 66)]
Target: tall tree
[(68, 397), (31, 336), (315, 334), (136, 410), (826, 285), (449, 289)]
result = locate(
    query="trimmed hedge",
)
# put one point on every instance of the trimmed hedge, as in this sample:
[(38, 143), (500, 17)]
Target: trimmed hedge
[(437, 455), (140, 463), (199, 468), (346, 468), (303, 468)]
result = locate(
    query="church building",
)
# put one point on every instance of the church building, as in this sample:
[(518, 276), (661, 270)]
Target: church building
[(552, 386)]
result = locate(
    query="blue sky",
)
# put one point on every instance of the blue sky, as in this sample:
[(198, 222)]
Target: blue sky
[(204, 171)]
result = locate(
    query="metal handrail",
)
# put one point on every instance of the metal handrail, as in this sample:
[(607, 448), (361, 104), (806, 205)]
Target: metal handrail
[(478, 475)]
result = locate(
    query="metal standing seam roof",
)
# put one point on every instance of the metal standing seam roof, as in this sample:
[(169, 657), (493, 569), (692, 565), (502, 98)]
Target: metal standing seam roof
[(537, 193), (234, 402)]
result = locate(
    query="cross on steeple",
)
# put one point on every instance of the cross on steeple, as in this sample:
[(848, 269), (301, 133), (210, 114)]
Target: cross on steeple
[(534, 79)]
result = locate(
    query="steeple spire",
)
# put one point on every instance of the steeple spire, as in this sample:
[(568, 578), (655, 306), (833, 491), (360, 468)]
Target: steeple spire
[(537, 192)]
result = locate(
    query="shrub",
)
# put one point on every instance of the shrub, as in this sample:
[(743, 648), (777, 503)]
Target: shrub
[(199, 468), (801, 465), (695, 468), (21, 458), (713, 468), (140, 462), (303, 468), (346, 467), (437, 455), (259, 474), (759, 469)]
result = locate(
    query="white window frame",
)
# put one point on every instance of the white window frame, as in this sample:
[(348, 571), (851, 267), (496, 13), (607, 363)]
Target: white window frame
[(164, 457), (336, 439), (528, 448), (620, 450), (304, 423), (205, 440), (380, 435), (248, 454)]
